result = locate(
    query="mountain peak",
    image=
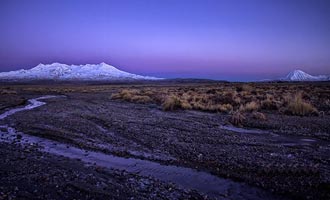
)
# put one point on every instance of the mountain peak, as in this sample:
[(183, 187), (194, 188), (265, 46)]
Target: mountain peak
[(59, 71), (55, 64), (298, 71), (299, 75)]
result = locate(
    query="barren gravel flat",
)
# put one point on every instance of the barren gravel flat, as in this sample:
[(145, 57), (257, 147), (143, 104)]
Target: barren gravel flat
[(84, 144)]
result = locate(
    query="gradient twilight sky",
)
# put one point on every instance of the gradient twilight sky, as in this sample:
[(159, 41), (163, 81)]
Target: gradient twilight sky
[(218, 39)]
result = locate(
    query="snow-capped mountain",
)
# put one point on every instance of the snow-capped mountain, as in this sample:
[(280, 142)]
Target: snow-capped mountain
[(298, 75), (58, 71)]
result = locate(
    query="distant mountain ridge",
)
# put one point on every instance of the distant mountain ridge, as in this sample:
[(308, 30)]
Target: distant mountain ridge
[(58, 71), (105, 72), (298, 75)]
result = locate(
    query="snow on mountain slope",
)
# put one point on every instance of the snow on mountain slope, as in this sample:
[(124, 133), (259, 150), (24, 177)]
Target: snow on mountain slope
[(298, 75), (58, 71)]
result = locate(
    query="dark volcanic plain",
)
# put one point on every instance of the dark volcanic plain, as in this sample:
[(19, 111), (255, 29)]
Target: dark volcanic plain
[(270, 136)]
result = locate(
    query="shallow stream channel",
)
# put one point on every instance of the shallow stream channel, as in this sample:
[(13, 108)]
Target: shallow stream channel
[(182, 177)]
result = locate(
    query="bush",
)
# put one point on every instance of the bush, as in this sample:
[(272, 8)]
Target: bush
[(237, 118), (171, 103), (115, 96), (5, 91), (224, 98), (126, 94), (123, 94), (270, 103), (244, 87), (297, 106), (249, 107), (259, 116), (141, 99), (227, 108), (186, 105), (131, 96)]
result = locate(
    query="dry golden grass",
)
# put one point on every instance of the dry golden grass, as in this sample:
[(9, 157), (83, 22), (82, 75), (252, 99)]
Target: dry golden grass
[(171, 103), (228, 98), (141, 99), (259, 116), (6, 91), (249, 107), (226, 108), (297, 106), (244, 87), (237, 118), (125, 94), (269, 104)]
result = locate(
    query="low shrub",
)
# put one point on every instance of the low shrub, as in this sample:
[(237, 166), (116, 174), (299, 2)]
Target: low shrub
[(227, 108), (171, 103), (259, 116), (141, 99), (297, 106), (5, 91), (249, 107), (237, 118), (185, 105), (270, 103), (245, 87)]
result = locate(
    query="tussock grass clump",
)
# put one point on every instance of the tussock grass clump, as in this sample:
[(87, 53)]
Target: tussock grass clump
[(132, 96), (141, 99), (252, 106), (127, 94), (249, 107), (226, 108), (5, 91), (185, 105), (297, 106), (171, 103), (259, 116), (244, 87), (237, 118), (123, 94), (270, 103)]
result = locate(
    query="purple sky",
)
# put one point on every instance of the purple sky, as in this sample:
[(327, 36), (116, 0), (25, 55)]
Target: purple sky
[(219, 39)]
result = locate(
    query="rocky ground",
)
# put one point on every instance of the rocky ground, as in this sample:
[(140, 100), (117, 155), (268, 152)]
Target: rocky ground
[(289, 157), (27, 173)]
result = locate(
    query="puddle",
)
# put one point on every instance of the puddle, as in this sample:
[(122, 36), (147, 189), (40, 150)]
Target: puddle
[(298, 142), (285, 140), (308, 140), (242, 130)]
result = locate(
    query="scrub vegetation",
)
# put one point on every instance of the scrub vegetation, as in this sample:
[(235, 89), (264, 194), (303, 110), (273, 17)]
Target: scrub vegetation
[(289, 99)]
